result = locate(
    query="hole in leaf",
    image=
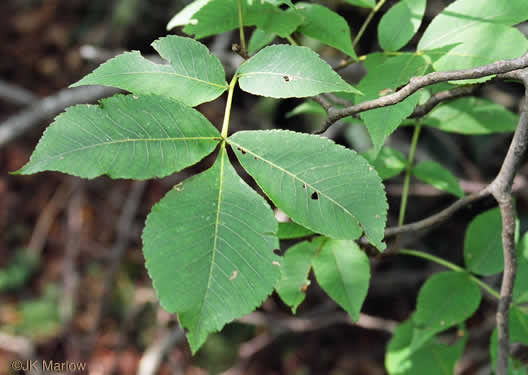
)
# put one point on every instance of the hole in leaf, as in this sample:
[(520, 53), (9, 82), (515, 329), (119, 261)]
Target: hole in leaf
[(254, 157), (315, 196), (286, 78), (304, 186), (242, 151), (276, 251)]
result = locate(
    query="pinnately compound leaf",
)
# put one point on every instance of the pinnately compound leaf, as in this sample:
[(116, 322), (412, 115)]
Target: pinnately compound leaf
[(208, 246), (283, 71), (194, 76), (324, 187), (124, 137)]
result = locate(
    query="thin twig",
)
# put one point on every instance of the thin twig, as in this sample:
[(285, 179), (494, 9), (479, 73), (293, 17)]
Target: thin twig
[(16, 94), (443, 96), (437, 218), (501, 189), (416, 83)]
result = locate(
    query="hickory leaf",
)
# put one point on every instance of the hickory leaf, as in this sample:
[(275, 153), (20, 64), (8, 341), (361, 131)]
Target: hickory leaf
[(483, 251), (295, 267), (483, 34), (290, 230), (124, 137), (342, 269), (218, 16), (193, 76), (400, 23), (315, 25), (322, 186), (445, 300), (394, 72), (472, 116), (438, 176), (432, 358), (283, 71), (208, 246)]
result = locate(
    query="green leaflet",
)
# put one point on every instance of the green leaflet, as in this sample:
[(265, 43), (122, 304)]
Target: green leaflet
[(208, 246), (184, 16), (317, 22), (483, 252), (292, 230), (218, 16), (472, 116), (446, 299), (295, 267), (124, 137), (483, 33), (283, 71), (322, 186), (342, 269), (193, 76), (438, 176), (396, 71), (259, 39), (388, 162), (432, 358), (400, 23)]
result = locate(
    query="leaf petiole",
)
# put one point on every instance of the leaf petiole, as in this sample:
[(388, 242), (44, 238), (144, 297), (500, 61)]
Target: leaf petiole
[(227, 113)]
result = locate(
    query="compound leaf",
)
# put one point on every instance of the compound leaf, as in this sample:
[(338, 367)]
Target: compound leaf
[(193, 76), (322, 186), (400, 23), (317, 19), (295, 267), (208, 246), (124, 137), (472, 116), (483, 35), (343, 271), (437, 175), (283, 71)]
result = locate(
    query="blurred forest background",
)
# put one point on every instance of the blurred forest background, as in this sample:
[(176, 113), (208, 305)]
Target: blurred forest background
[(73, 285)]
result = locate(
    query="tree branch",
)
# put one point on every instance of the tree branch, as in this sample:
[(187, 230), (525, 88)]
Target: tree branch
[(417, 83), (501, 189), (442, 96)]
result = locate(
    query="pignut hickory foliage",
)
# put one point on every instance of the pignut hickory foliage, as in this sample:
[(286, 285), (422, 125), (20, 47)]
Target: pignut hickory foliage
[(208, 244)]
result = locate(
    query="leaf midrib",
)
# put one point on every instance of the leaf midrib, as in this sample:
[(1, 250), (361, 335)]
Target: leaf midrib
[(57, 156), (101, 76)]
